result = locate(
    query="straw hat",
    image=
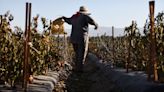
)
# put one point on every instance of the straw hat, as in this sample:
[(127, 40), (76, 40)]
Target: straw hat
[(83, 10)]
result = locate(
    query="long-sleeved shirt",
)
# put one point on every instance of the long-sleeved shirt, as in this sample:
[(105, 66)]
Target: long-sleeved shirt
[(80, 23)]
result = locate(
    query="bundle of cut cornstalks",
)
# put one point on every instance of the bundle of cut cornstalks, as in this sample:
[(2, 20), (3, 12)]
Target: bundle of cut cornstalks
[(57, 26)]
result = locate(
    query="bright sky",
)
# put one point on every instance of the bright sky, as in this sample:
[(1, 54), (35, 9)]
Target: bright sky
[(118, 13)]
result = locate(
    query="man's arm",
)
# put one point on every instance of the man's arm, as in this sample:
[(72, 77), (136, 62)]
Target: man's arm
[(68, 20), (92, 22)]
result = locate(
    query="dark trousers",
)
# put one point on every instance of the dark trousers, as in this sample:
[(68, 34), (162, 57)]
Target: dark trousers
[(81, 51)]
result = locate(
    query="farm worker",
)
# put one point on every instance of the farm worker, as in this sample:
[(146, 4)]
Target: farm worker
[(79, 35)]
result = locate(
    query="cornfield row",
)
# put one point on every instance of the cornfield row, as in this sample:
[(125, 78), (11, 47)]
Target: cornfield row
[(133, 48), (46, 51)]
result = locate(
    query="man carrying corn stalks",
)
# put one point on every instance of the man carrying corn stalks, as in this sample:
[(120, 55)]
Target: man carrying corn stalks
[(79, 35)]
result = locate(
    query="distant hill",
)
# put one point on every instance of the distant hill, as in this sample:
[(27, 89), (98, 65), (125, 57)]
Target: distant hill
[(107, 31), (102, 31)]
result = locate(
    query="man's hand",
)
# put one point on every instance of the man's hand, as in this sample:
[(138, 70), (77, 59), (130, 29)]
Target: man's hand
[(96, 27), (62, 18)]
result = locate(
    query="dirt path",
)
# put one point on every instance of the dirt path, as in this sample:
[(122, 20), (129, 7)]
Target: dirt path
[(93, 81)]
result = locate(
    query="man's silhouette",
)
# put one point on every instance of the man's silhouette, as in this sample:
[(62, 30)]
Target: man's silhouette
[(79, 35)]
